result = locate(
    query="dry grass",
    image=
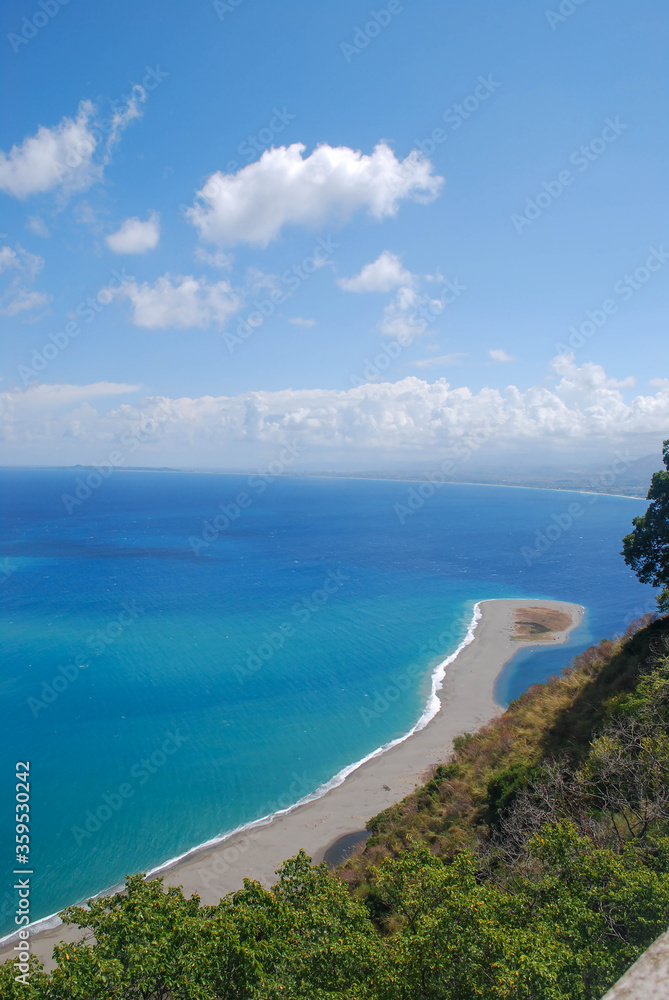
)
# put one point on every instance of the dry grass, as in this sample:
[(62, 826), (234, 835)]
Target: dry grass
[(539, 623), (554, 719)]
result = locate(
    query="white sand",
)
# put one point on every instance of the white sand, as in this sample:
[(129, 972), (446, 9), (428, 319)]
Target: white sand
[(467, 702)]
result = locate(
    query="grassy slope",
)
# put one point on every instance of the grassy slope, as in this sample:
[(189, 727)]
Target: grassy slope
[(558, 718)]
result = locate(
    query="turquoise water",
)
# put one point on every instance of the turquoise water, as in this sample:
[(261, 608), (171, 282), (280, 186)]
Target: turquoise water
[(168, 687)]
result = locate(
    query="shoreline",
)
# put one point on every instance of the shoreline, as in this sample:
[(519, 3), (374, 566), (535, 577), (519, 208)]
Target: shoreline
[(306, 475), (461, 700)]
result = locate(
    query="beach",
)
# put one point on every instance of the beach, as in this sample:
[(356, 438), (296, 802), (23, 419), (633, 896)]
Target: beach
[(329, 824)]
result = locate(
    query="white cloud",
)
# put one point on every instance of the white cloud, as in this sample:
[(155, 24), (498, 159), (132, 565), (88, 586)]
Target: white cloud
[(301, 321), (375, 424), (19, 269), (42, 396), (90, 216), (443, 359), (256, 279), (590, 375), (284, 188), (410, 312), (38, 226), (52, 156), (42, 415), (500, 355), (409, 315), (23, 300), (180, 301), (123, 116), (659, 383), (135, 236), (217, 259), (71, 155), (7, 258), (382, 275)]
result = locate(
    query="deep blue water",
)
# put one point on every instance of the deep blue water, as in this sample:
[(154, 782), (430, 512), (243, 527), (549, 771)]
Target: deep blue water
[(186, 688)]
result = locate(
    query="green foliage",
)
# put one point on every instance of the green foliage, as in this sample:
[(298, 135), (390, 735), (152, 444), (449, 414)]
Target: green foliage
[(503, 788), (646, 548), (152, 942), (33, 985), (314, 935)]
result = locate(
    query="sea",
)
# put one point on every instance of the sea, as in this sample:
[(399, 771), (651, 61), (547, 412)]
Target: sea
[(186, 653)]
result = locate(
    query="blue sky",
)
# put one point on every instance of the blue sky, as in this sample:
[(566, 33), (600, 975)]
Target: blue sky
[(125, 111)]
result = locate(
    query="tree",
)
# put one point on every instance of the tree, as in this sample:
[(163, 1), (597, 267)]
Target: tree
[(646, 549), (153, 943)]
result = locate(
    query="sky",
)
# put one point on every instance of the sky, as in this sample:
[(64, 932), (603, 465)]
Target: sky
[(383, 237)]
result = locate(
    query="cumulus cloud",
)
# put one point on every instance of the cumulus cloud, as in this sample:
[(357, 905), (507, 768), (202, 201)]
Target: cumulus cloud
[(284, 188), (500, 355), (18, 270), (51, 416), (135, 236), (376, 423), (70, 155), (180, 301), (410, 312), (382, 275)]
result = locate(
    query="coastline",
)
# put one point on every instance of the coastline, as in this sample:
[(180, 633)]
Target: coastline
[(461, 700), (304, 475)]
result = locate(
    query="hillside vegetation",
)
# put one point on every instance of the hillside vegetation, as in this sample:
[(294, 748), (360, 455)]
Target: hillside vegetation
[(534, 864), (466, 798)]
